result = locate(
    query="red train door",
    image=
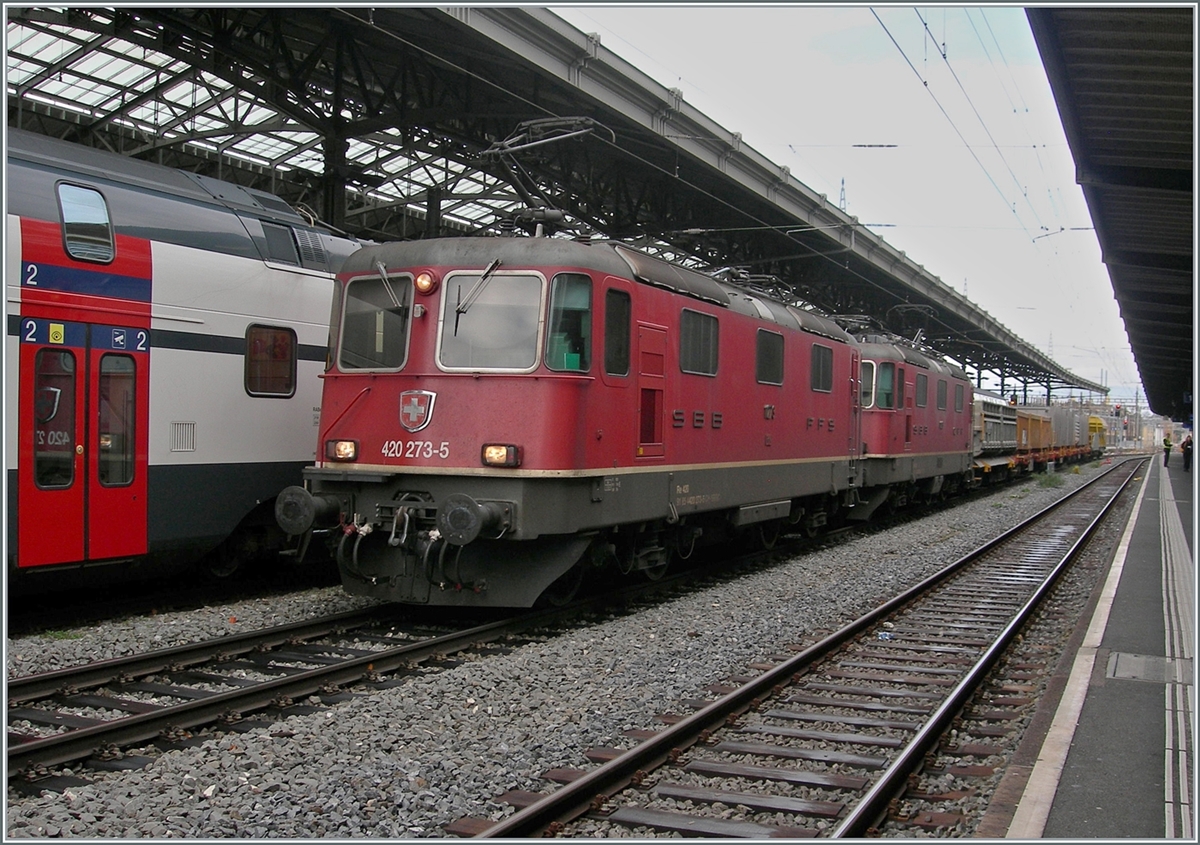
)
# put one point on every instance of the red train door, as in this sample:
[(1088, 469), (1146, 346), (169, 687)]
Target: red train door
[(83, 442)]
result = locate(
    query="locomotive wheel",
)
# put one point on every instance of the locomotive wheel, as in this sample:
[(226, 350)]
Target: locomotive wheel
[(768, 534), (563, 589), (656, 572)]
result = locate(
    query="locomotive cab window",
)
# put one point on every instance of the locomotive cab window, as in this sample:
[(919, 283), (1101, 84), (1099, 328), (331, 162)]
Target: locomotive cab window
[(617, 312), (922, 390), (958, 398), (490, 321), (270, 361), (698, 343), (769, 358), (569, 340), (866, 384), (885, 385), (822, 368), (375, 323), (87, 231)]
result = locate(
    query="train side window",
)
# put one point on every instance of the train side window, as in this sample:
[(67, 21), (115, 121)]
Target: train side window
[(54, 418), (569, 341), (899, 387), (769, 358), (958, 398), (87, 231), (698, 343), (281, 244), (375, 320), (941, 394), (866, 384), (822, 368), (617, 314), (270, 361), (922, 390), (118, 411), (884, 385)]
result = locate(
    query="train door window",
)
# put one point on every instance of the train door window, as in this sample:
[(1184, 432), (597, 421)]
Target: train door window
[(899, 387), (922, 398), (118, 410), (958, 398), (375, 322), (617, 314), (941, 394), (698, 343), (866, 384), (569, 341), (822, 368), (281, 244), (87, 232), (768, 364), (54, 418), (885, 380), (270, 361)]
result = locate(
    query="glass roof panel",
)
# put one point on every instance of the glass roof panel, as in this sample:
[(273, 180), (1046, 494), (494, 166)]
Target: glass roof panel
[(110, 80)]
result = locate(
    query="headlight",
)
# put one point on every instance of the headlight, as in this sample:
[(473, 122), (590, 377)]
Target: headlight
[(501, 455), (341, 450), (426, 282)]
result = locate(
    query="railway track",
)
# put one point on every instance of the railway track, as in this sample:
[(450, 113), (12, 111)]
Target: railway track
[(825, 742), (93, 711)]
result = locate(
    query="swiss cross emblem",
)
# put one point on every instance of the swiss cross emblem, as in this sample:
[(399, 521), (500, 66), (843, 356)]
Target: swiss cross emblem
[(416, 409)]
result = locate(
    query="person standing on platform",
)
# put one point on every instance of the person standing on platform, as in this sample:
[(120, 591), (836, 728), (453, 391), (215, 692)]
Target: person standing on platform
[(1166, 449), (1186, 448)]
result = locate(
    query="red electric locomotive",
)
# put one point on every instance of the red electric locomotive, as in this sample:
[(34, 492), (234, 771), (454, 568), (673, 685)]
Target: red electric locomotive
[(916, 425), (500, 414)]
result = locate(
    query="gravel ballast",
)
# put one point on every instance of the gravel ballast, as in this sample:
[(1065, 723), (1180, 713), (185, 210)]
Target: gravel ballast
[(405, 761)]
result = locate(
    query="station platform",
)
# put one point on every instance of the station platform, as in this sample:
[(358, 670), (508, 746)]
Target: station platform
[(1117, 757)]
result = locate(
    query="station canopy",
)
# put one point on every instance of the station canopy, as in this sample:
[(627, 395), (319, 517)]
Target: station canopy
[(403, 122)]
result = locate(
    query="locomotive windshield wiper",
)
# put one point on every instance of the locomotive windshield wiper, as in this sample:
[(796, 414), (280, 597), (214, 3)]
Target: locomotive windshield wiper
[(463, 304), (387, 283)]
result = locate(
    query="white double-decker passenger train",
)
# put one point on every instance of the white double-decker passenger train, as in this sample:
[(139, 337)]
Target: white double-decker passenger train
[(166, 332)]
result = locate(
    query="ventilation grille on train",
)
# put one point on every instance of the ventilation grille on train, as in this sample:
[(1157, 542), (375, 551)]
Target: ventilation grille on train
[(311, 250), (183, 437)]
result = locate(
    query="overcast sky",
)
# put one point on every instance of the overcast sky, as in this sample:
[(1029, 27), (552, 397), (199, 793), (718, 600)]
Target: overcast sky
[(939, 123)]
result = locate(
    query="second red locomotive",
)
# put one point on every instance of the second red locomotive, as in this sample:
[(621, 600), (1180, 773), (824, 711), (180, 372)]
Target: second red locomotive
[(500, 414)]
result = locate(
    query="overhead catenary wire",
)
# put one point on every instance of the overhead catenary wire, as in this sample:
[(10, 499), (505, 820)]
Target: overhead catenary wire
[(953, 125), (1022, 110), (538, 107)]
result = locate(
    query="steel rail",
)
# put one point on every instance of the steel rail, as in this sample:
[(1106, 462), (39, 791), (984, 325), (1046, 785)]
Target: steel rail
[(593, 788), (30, 687), (872, 806), (130, 730)]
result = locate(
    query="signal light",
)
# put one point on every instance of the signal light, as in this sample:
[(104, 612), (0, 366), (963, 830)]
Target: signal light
[(426, 282), (341, 450), (501, 455)]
